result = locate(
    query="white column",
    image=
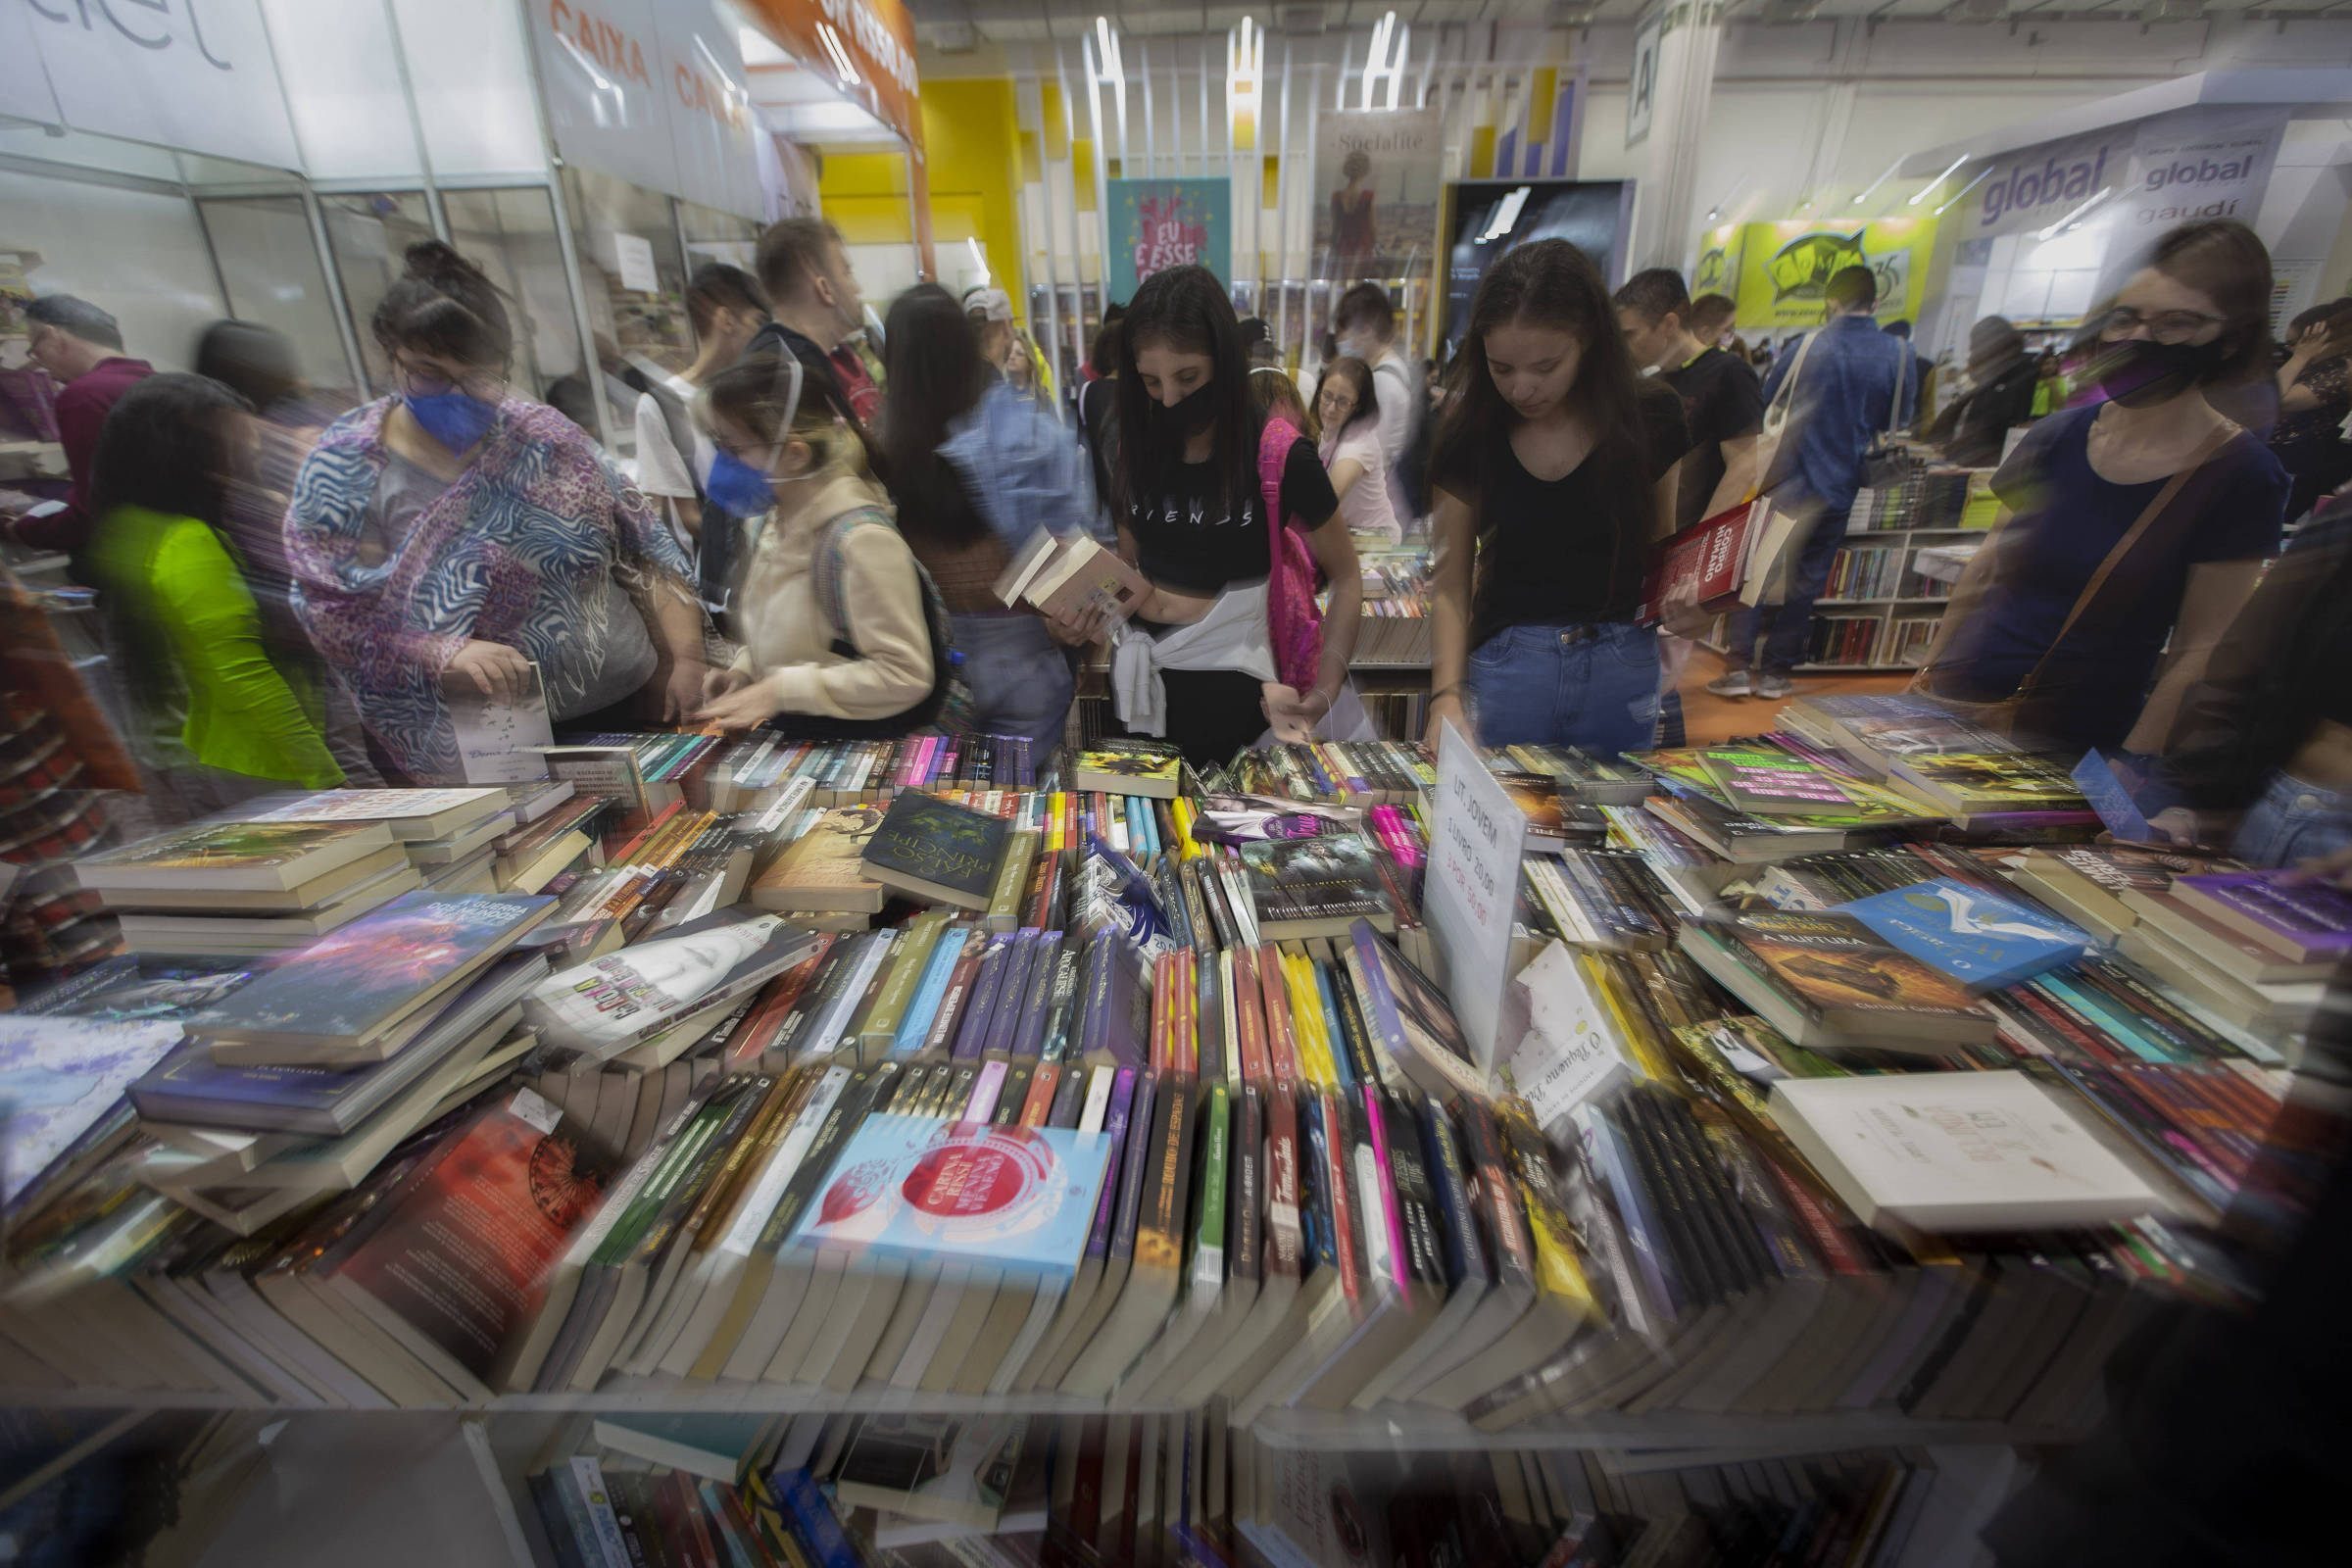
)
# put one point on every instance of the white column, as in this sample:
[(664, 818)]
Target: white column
[(1666, 197)]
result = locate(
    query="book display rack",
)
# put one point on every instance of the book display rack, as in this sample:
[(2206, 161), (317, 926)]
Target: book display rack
[(748, 1150)]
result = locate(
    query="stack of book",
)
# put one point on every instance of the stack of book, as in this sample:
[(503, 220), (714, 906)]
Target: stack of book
[(751, 774), (232, 888)]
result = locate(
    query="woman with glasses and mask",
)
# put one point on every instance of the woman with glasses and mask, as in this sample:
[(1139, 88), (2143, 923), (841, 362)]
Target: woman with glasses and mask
[(2136, 526), (447, 538), (1347, 403)]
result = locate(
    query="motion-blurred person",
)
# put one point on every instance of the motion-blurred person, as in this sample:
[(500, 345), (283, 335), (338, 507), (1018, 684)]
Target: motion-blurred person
[(1553, 477), (1099, 403), (1275, 396), (1190, 479), (216, 720), (976, 470), (2137, 526), (1920, 390), (1366, 323), (1723, 403), (2315, 394), (2002, 378), (727, 309), (1349, 409), (828, 604), (259, 365), (1710, 322), (2050, 389), (82, 347), (1849, 385), (990, 310), (451, 536), (811, 288)]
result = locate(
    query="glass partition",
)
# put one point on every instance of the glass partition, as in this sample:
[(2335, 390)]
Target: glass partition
[(367, 233), (269, 265), (511, 234)]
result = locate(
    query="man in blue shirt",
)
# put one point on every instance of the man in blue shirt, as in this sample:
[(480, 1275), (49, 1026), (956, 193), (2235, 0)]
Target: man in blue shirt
[(1853, 384)]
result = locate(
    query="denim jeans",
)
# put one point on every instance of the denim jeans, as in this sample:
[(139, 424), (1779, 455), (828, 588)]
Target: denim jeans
[(1594, 686), (2294, 821), (1019, 676), (1776, 638)]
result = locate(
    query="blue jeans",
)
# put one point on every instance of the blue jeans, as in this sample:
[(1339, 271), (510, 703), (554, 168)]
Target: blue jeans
[(2294, 821), (1776, 638), (1019, 676), (1594, 686)]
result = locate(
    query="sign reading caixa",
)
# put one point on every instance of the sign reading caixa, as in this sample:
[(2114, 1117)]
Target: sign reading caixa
[(2210, 162)]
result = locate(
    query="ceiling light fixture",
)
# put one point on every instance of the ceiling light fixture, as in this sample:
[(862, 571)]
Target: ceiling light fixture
[(1921, 194)]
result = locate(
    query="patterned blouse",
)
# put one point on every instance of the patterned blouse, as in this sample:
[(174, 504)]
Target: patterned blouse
[(519, 550)]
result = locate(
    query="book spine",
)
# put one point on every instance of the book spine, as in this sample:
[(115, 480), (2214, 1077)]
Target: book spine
[(1054, 1034), (1010, 991), (930, 991), (987, 981)]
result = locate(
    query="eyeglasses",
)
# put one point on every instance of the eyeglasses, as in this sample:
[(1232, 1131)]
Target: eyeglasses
[(417, 382), (2165, 327)]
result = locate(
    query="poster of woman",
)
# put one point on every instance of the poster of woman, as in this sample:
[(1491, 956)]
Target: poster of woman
[(1379, 179)]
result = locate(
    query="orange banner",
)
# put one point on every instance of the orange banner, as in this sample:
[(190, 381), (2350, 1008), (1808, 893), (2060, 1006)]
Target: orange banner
[(875, 39)]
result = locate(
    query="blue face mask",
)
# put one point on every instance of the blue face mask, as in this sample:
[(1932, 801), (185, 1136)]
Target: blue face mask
[(452, 418), (738, 488)]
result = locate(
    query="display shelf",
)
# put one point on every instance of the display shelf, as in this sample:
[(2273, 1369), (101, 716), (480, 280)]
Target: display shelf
[(1699, 1437)]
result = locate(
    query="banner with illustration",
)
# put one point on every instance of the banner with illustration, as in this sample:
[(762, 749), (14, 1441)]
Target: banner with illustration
[(1716, 271), (1169, 222), (1379, 177), (1778, 270)]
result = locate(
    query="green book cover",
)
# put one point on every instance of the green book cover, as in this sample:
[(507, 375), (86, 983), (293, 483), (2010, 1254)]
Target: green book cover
[(906, 966), (936, 849), (1216, 1153)]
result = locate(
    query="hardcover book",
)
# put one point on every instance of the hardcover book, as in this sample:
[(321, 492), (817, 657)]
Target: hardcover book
[(2304, 919), (1979, 939), (234, 856), (919, 1187), (1956, 1151), (1829, 979), (937, 850), (1314, 887), (1704, 563), (1069, 574), (822, 869), (1129, 768), (607, 1004), (348, 990)]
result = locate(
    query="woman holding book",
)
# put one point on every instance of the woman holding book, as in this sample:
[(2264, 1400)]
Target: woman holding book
[(978, 471), (1229, 640), (1553, 476), (449, 538), (1349, 411), (2136, 526), (219, 718), (827, 601)]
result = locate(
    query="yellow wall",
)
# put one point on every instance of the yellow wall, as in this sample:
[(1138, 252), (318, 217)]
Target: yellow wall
[(865, 196)]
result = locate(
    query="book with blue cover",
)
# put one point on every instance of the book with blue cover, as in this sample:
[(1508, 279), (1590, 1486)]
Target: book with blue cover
[(916, 1187), (1979, 938)]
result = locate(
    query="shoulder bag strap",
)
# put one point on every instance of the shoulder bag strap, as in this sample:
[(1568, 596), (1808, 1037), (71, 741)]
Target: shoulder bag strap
[(2123, 547), (1785, 397), (831, 568)]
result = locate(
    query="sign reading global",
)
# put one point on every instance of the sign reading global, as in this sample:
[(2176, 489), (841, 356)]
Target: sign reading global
[(1156, 223)]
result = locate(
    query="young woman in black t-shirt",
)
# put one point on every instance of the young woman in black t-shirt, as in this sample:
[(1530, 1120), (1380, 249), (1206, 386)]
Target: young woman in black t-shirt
[(1552, 478), (1187, 497)]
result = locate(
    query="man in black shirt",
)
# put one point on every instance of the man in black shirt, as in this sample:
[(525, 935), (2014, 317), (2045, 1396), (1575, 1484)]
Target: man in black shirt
[(1722, 400)]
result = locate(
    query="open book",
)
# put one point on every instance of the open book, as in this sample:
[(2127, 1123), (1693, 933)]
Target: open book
[(1068, 575)]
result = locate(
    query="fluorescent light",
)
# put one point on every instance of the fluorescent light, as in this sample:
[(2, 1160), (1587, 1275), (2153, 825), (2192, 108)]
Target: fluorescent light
[(841, 56), (979, 259), (1964, 189), (2069, 219), (1506, 217), (1937, 181), (1864, 194)]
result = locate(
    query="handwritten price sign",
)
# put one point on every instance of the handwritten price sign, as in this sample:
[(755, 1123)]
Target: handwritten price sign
[(1473, 883)]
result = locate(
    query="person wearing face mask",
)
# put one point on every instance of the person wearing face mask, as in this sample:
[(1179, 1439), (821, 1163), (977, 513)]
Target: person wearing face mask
[(1554, 476), (727, 311), (827, 603), (1348, 406), (1232, 610), (2136, 527), (1366, 323), (447, 538)]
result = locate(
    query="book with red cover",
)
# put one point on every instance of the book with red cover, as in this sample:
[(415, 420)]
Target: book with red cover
[(1709, 558), (464, 1257)]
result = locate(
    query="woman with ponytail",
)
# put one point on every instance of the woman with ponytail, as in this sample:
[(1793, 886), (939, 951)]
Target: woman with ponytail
[(448, 537), (1229, 641)]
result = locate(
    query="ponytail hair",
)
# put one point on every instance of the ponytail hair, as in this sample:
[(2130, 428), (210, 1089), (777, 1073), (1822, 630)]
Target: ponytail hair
[(444, 305)]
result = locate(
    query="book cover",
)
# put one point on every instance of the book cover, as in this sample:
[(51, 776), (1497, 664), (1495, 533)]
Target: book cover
[(955, 1469), (59, 1077), (1409, 1018), (467, 1250), (1842, 974), (1957, 1150), (823, 869), (1971, 783), (350, 984), (915, 1187), (1150, 768), (607, 1004), (1703, 562), (1774, 783), (2303, 918), (411, 813), (1979, 938), (134, 986), (939, 850), (1314, 887), (228, 856)]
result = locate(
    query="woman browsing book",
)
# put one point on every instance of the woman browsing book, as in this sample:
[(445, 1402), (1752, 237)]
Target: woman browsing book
[(1350, 410), (1232, 608), (1554, 476), (978, 471), (828, 600)]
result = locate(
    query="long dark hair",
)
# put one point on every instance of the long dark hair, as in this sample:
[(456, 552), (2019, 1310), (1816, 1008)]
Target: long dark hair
[(935, 374), (1552, 284), (444, 305), (165, 447), (1186, 308)]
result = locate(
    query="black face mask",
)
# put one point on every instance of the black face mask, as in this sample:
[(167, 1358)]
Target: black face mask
[(2138, 373), (1175, 424)]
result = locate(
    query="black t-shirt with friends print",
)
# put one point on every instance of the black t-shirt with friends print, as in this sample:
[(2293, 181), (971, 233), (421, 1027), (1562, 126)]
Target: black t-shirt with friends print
[(1189, 539)]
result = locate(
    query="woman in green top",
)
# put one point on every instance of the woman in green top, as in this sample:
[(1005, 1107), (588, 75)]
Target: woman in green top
[(211, 715)]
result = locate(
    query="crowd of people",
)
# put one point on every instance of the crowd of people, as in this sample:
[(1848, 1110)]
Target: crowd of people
[(811, 541)]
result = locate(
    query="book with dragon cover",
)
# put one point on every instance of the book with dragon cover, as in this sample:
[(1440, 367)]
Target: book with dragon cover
[(1827, 979), (937, 850)]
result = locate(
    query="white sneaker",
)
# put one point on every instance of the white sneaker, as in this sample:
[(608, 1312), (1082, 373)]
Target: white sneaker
[(1774, 686), (1731, 684)]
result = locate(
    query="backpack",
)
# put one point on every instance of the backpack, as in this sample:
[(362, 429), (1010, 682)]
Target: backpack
[(946, 707), (1294, 622)]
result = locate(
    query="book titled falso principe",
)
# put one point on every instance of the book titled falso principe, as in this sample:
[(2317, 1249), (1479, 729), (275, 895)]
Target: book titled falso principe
[(937, 850)]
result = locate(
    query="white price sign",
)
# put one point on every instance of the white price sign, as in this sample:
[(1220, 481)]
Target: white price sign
[(1471, 886)]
